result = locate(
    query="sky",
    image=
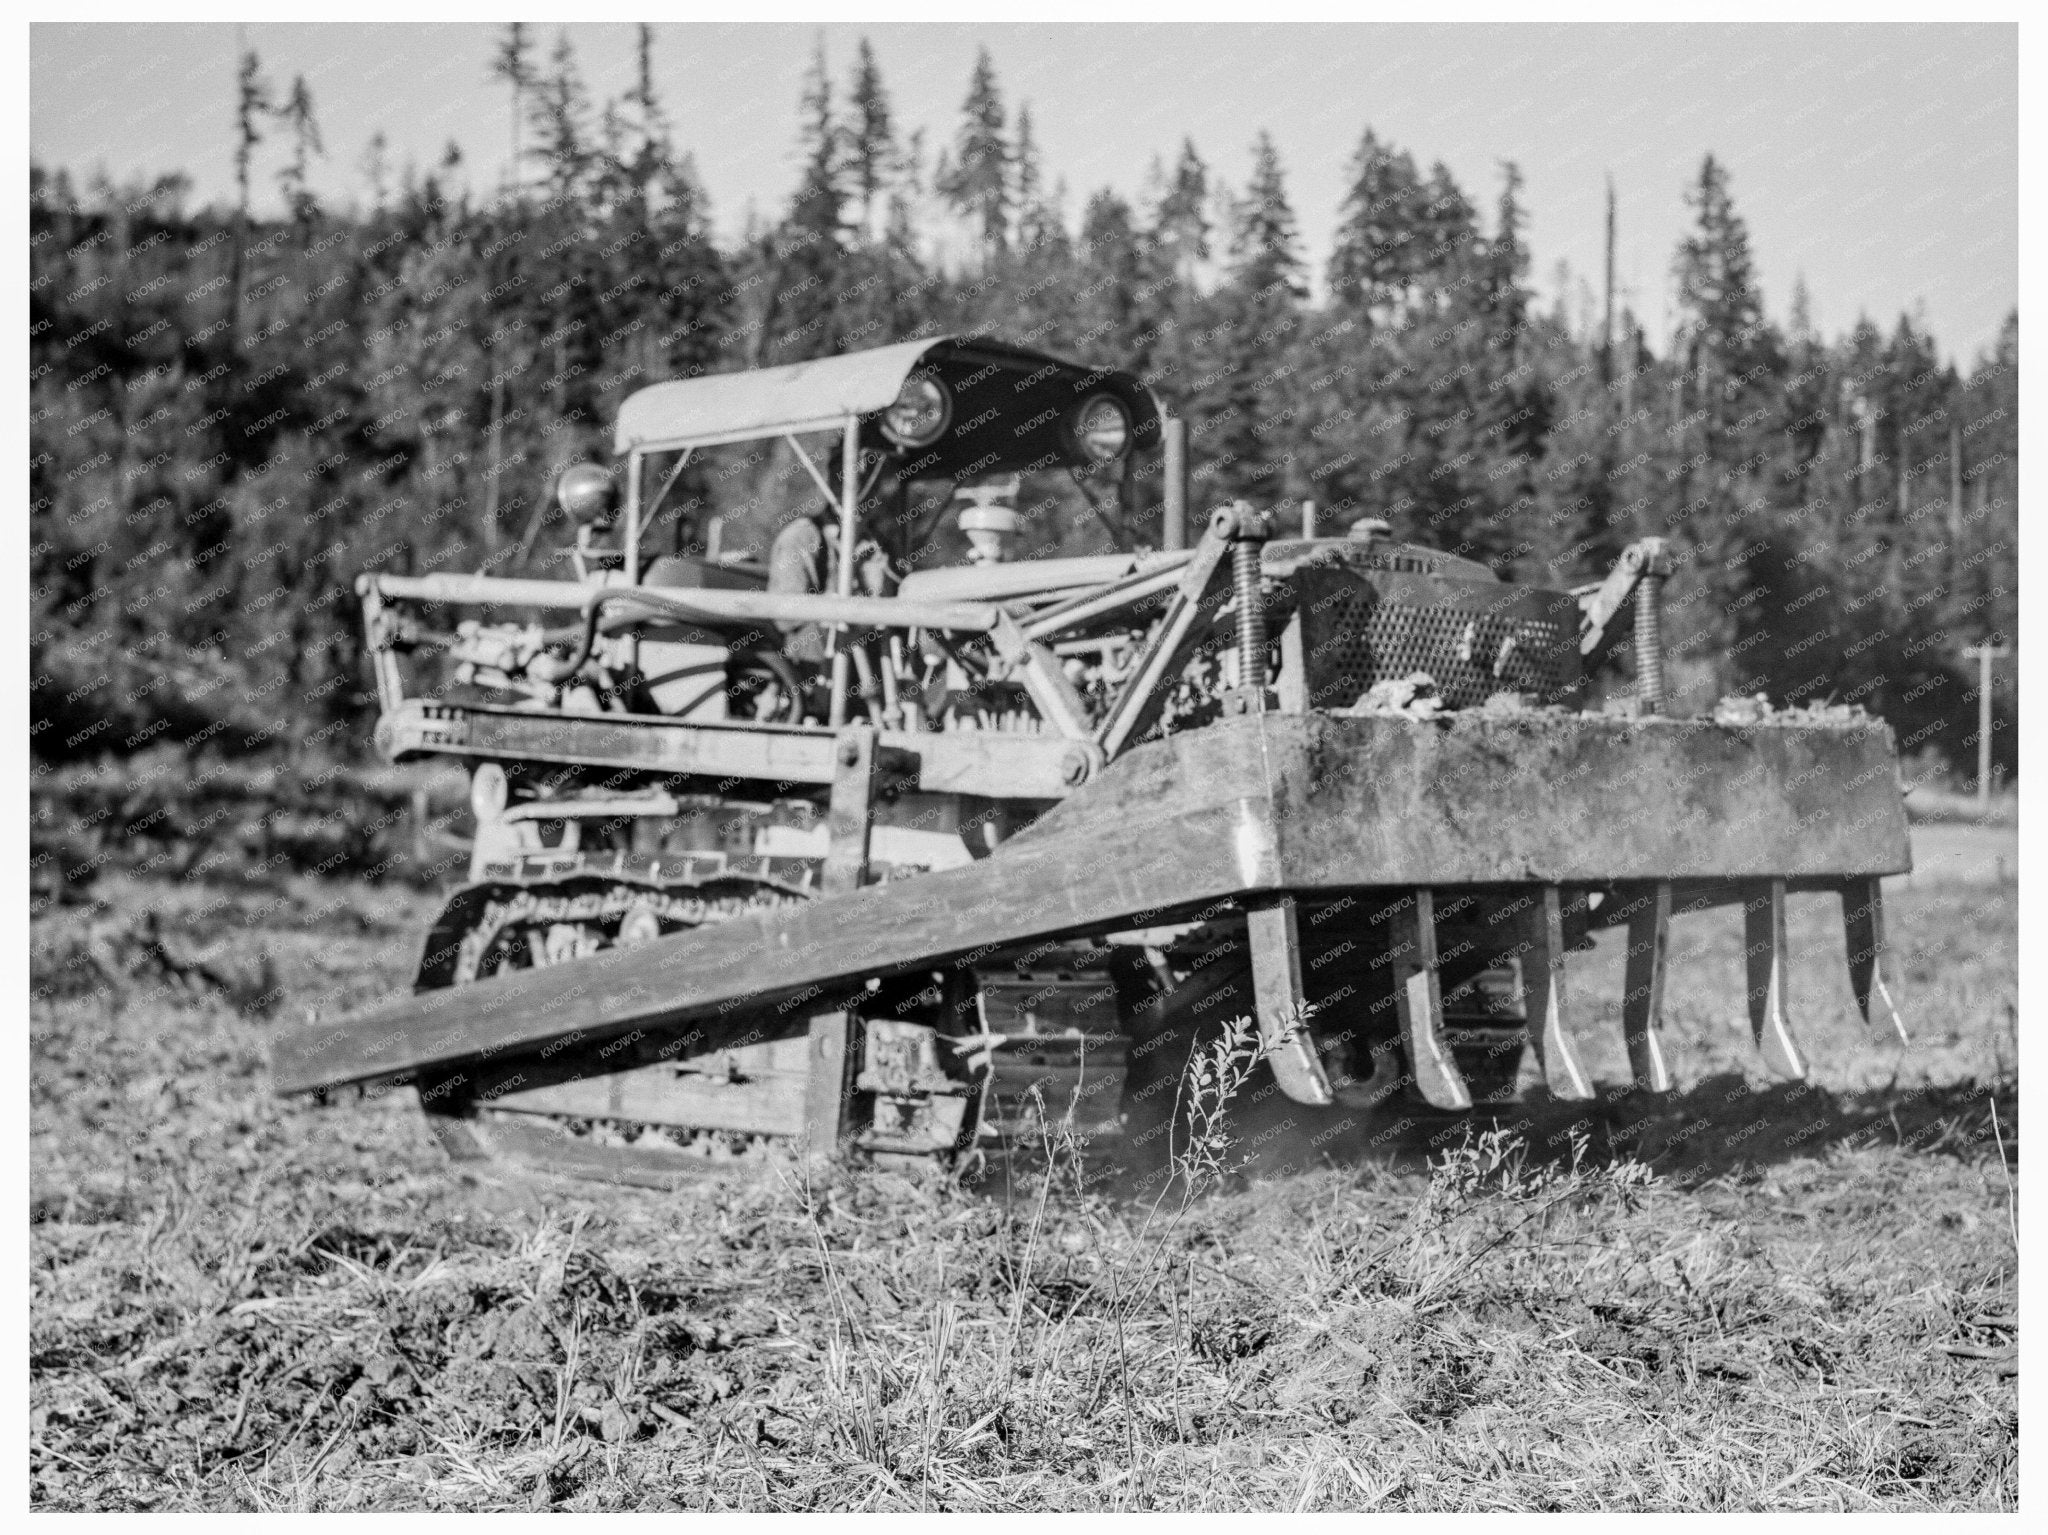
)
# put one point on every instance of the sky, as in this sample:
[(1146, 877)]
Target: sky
[(1879, 162)]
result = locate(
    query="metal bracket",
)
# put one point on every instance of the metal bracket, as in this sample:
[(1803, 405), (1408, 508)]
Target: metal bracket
[(1167, 651), (835, 1048), (1599, 604), (1043, 677), (1290, 688), (851, 822), (917, 1108)]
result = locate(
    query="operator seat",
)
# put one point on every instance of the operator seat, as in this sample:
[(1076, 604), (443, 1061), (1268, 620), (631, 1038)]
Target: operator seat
[(685, 666)]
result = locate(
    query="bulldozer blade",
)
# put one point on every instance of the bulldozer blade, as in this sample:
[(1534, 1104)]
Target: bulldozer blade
[(1419, 999), (1869, 964), (1282, 1005), (1642, 1002), (1543, 997), (1247, 808), (1767, 953)]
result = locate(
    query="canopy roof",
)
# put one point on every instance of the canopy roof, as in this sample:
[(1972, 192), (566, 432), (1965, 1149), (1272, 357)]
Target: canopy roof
[(1010, 405)]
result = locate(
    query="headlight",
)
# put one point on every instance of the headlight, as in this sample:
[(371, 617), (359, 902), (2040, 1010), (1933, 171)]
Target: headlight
[(1102, 428), (920, 413), (588, 494)]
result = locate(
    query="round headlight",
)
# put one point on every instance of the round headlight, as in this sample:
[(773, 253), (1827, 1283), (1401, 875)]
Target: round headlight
[(1102, 428), (920, 413), (587, 493)]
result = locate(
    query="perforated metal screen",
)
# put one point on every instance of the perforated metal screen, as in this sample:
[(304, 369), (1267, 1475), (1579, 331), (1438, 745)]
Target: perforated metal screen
[(1503, 640)]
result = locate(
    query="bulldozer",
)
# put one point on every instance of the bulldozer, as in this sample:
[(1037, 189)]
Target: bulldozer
[(851, 846)]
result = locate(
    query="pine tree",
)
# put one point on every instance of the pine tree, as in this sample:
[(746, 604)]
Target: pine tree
[(1723, 334), (1799, 316), (1986, 583), (976, 180), (376, 168), (254, 101), (872, 159), (1726, 439), (1517, 405), (297, 115), (1505, 263), (649, 167), (1180, 224), (1038, 216), (908, 191), (641, 95), (1243, 390), (818, 214), (1806, 394), (806, 253), (1114, 267), (560, 116), (1265, 249), (1383, 221), (1452, 254), (513, 64)]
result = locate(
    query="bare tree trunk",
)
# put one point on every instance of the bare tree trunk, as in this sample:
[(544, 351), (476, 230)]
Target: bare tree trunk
[(1955, 481), (491, 538), (1607, 312)]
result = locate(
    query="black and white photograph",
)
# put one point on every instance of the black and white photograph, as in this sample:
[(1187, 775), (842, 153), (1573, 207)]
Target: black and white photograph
[(1099, 761)]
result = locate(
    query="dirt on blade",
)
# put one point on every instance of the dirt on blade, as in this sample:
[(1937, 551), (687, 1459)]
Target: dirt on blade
[(1742, 1296)]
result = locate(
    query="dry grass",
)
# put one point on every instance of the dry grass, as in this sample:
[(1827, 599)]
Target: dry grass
[(1739, 1299)]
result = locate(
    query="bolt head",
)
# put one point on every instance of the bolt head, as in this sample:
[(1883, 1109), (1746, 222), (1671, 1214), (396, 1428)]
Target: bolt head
[(1238, 522), (849, 753)]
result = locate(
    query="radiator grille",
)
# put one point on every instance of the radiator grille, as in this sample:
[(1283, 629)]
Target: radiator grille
[(1471, 654)]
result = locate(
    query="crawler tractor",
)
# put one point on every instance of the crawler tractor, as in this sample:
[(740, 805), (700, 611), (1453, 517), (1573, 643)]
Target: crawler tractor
[(859, 849)]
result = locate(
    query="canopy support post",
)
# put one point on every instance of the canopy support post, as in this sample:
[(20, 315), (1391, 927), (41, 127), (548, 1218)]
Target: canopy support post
[(661, 495), (632, 571), (849, 505)]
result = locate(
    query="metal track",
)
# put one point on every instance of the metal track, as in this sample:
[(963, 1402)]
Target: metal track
[(1048, 1051), (495, 929)]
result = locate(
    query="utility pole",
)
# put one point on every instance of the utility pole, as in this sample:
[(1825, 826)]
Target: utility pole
[(1985, 654)]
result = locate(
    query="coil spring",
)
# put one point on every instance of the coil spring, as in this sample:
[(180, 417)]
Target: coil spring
[(1649, 605), (1251, 613)]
